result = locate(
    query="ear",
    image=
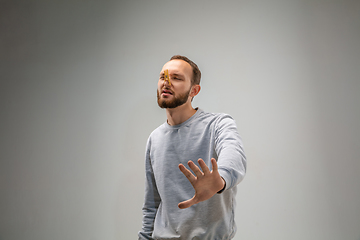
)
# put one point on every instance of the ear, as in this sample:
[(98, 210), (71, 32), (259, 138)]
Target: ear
[(195, 89)]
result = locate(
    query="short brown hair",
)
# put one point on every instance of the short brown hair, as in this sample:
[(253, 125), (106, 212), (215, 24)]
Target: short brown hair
[(196, 71)]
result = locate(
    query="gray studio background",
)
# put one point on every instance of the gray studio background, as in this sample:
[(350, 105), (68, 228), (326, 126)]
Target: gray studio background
[(78, 101)]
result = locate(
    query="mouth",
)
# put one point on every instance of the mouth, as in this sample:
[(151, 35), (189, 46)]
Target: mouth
[(166, 92)]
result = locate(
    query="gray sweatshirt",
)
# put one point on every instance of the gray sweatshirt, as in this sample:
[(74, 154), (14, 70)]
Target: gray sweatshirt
[(206, 136)]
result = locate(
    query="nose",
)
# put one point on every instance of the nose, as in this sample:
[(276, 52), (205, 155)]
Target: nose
[(166, 82)]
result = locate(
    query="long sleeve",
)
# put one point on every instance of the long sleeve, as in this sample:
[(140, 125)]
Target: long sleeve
[(152, 198), (229, 149)]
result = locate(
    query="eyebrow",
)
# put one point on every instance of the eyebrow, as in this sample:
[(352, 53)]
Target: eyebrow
[(176, 74)]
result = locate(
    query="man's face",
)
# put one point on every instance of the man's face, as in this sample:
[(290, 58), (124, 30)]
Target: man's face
[(176, 94)]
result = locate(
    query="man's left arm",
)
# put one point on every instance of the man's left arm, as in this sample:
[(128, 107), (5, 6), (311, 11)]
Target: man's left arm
[(229, 149), (226, 172)]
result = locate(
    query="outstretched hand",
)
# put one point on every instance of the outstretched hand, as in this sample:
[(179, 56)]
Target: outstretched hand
[(206, 183)]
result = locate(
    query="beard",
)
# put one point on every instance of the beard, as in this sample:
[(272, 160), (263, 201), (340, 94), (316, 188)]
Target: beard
[(175, 102)]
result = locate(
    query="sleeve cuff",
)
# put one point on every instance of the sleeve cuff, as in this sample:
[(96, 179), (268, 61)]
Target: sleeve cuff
[(227, 178)]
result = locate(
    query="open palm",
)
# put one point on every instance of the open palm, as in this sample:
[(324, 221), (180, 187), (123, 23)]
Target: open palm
[(206, 183)]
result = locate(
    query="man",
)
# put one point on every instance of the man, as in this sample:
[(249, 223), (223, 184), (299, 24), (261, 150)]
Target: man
[(180, 204)]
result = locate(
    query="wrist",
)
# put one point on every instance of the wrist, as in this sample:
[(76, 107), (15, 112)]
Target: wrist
[(224, 186)]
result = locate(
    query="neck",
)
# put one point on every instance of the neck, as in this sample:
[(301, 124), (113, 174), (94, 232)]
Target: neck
[(179, 114)]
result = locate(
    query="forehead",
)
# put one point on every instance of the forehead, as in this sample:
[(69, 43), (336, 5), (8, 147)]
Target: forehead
[(178, 66)]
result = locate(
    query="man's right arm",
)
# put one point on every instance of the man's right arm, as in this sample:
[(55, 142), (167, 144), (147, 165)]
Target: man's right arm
[(152, 199)]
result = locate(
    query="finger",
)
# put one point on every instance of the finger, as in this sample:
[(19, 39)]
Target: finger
[(187, 173), (214, 165), (187, 203), (195, 169), (203, 166)]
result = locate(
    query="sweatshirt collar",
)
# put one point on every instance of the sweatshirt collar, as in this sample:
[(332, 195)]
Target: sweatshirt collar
[(187, 122)]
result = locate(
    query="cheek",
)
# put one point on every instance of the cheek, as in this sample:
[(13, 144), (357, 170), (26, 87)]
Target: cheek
[(178, 85)]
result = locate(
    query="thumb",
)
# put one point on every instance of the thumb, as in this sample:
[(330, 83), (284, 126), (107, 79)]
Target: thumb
[(187, 203)]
